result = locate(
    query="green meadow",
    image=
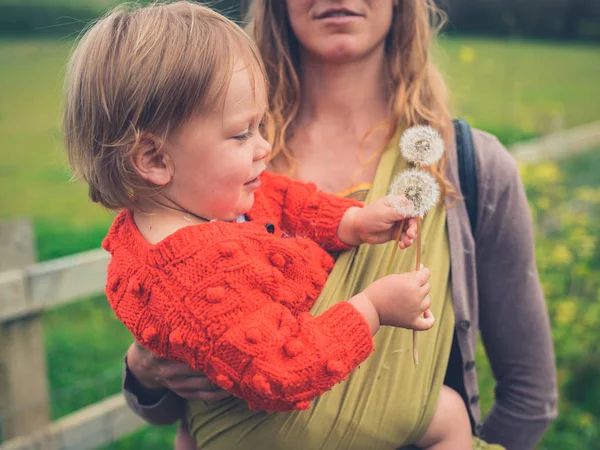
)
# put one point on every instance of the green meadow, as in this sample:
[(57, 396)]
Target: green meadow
[(513, 89)]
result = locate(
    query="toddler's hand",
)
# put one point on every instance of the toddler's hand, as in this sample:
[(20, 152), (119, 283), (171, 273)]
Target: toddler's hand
[(380, 222), (402, 299)]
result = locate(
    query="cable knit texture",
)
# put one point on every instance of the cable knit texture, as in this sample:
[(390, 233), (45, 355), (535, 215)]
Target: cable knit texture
[(233, 299)]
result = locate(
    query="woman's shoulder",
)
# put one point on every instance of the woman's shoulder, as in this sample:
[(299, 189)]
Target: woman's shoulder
[(495, 164), (500, 190)]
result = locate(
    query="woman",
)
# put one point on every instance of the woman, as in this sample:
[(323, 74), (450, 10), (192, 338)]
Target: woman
[(345, 78)]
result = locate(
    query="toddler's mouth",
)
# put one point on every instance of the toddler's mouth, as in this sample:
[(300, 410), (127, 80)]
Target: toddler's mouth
[(253, 183)]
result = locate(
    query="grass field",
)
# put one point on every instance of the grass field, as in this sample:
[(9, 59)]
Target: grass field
[(517, 89), (513, 89)]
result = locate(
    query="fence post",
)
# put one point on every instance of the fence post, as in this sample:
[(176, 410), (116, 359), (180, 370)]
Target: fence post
[(24, 398)]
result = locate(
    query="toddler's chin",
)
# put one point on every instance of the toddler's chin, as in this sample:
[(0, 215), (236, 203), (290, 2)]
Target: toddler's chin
[(244, 205)]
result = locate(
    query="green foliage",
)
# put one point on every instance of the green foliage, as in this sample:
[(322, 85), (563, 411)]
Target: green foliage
[(36, 18), (566, 214), (565, 209), (563, 19)]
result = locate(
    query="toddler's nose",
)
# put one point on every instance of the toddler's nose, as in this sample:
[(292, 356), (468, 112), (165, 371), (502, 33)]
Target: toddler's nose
[(262, 150)]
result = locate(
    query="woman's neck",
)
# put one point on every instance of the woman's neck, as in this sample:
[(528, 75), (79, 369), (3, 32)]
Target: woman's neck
[(352, 96), (340, 105)]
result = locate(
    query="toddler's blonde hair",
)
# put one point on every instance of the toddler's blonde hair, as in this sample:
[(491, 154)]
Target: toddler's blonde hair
[(143, 70)]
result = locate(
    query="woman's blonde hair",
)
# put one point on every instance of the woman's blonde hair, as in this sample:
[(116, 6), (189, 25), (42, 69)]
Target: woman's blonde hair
[(419, 92), (143, 71)]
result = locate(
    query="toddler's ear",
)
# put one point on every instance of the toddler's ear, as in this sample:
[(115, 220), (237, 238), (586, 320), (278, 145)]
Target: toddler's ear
[(150, 161)]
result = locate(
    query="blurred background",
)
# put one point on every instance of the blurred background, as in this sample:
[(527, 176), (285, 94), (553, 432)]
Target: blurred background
[(522, 70)]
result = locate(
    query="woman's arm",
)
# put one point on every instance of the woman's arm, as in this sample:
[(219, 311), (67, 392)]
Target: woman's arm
[(155, 388), (514, 321), (155, 404)]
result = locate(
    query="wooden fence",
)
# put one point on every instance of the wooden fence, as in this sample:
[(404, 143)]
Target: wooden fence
[(558, 145), (27, 289)]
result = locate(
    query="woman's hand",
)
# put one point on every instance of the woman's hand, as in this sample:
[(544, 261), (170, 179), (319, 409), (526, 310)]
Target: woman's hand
[(158, 375), (377, 223)]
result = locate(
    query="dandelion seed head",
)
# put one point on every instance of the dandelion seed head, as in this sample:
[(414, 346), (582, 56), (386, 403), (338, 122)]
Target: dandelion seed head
[(421, 145), (419, 188)]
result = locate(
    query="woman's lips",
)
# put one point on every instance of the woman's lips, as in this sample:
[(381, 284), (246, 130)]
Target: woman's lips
[(338, 18), (337, 13)]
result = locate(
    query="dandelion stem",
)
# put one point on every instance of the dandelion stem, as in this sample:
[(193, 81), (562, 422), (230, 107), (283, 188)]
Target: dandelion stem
[(418, 243), (389, 266), (415, 335), (415, 349)]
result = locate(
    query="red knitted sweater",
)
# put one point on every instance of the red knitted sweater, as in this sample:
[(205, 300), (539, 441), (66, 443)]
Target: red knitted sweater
[(233, 299)]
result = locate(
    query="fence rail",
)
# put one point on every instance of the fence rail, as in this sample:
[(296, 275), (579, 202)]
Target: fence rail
[(27, 289), (46, 285), (89, 428), (559, 145)]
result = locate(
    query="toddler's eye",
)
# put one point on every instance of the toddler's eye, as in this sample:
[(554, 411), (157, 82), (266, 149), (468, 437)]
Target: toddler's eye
[(243, 137)]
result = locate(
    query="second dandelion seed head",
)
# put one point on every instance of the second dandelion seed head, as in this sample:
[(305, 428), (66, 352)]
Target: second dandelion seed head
[(417, 186)]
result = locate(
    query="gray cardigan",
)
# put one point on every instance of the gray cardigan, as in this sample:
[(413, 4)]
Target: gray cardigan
[(495, 290)]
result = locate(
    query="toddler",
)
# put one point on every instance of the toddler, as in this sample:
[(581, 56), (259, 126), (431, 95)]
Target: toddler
[(216, 262)]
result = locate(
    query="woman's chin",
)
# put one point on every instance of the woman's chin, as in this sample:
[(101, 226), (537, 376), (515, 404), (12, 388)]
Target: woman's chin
[(341, 50)]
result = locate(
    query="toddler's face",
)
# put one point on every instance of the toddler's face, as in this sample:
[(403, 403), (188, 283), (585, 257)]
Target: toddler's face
[(218, 157)]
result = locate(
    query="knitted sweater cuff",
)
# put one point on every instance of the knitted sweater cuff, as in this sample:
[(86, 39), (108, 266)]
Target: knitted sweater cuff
[(351, 329), (329, 217)]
